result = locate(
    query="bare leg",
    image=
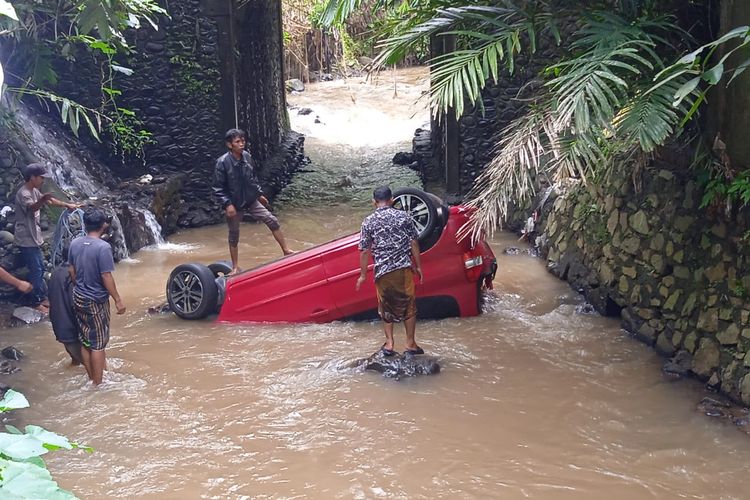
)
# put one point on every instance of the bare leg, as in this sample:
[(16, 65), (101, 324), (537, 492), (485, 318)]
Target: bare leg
[(279, 237), (234, 255), (74, 350), (98, 362), (86, 359), (410, 325), (388, 330)]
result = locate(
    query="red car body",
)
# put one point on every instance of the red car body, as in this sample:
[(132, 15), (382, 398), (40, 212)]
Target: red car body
[(318, 285)]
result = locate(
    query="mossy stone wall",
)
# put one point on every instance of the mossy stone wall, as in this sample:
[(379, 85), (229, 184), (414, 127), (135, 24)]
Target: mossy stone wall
[(678, 275)]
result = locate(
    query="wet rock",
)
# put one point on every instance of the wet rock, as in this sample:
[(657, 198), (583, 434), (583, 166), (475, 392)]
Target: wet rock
[(27, 315), (585, 308), (160, 309), (679, 365), (7, 237), (295, 84), (7, 367), (11, 352), (399, 365), (402, 158), (521, 251), (304, 111), (717, 408)]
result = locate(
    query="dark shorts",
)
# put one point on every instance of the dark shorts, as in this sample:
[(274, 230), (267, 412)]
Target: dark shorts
[(258, 212), (93, 322), (396, 299)]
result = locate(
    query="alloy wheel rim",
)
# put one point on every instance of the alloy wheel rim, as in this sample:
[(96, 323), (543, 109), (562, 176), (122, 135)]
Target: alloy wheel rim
[(186, 291), (416, 207)]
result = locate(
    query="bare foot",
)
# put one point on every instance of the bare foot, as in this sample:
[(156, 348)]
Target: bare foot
[(42, 309), (235, 270), (289, 252)]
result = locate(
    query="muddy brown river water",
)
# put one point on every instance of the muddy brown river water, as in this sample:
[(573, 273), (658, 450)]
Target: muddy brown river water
[(534, 400)]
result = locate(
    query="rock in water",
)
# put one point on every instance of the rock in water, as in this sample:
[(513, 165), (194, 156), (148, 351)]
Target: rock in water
[(11, 352), (399, 365), (27, 315)]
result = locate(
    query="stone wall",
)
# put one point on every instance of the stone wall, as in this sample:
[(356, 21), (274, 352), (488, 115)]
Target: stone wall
[(678, 275), (206, 69)]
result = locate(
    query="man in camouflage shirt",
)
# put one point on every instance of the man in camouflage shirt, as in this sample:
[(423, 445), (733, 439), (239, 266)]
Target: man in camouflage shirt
[(389, 235)]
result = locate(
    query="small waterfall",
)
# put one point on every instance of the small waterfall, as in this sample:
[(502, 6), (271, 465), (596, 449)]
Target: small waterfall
[(153, 227), (66, 168)]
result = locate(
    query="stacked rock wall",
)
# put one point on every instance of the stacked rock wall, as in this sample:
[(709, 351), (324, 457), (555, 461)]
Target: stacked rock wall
[(679, 275)]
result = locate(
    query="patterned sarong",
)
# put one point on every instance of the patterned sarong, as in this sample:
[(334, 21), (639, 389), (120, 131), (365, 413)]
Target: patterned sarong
[(396, 300), (93, 322)]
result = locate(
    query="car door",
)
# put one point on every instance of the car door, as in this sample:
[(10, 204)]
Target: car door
[(341, 266), (292, 289)]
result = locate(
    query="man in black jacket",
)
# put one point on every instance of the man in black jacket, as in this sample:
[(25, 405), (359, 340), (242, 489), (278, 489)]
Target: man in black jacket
[(237, 189)]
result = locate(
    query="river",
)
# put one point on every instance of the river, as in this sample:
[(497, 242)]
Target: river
[(534, 400)]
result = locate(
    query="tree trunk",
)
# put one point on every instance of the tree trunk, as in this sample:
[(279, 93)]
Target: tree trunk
[(729, 107)]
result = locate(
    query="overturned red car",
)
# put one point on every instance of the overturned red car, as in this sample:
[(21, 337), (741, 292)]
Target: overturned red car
[(317, 284)]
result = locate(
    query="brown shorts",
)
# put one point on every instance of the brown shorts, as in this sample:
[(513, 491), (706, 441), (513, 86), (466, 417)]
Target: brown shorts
[(396, 299), (258, 212)]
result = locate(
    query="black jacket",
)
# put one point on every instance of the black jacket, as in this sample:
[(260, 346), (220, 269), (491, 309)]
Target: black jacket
[(235, 181)]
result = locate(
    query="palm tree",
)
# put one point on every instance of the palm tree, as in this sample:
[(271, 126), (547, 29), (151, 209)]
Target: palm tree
[(613, 94)]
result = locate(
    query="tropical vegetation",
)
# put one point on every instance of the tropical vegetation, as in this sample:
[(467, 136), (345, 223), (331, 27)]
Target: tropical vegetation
[(627, 77), (23, 472), (36, 33)]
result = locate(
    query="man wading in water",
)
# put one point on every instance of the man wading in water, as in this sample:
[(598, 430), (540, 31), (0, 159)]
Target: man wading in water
[(91, 270), (389, 235), (237, 189)]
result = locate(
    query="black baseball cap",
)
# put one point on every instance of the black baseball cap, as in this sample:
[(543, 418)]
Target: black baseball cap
[(33, 169)]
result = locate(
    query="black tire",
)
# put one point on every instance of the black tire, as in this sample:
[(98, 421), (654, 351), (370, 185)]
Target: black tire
[(191, 291), (442, 210), (221, 268), (421, 206)]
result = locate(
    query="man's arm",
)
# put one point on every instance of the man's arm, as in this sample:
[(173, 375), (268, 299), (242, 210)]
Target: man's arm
[(109, 283), (38, 204), (364, 259), (417, 260), (59, 203), (20, 285)]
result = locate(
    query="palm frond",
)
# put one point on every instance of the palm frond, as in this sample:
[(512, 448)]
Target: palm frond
[(522, 155), (649, 118), (337, 11), (487, 36), (592, 87)]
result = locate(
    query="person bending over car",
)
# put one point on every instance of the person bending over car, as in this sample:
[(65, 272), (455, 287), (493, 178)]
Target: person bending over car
[(389, 235), (237, 189)]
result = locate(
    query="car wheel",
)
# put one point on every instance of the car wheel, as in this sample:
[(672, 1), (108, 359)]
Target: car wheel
[(191, 291), (221, 268), (421, 206)]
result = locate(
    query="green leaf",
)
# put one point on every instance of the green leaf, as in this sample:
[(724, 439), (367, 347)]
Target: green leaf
[(65, 110), (6, 9), (739, 70), (13, 400), (122, 69), (686, 89), (25, 480), (713, 75)]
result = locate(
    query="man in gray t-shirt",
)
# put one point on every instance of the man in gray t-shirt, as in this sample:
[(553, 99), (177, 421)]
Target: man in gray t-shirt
[(28, 233), (91, 269)]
